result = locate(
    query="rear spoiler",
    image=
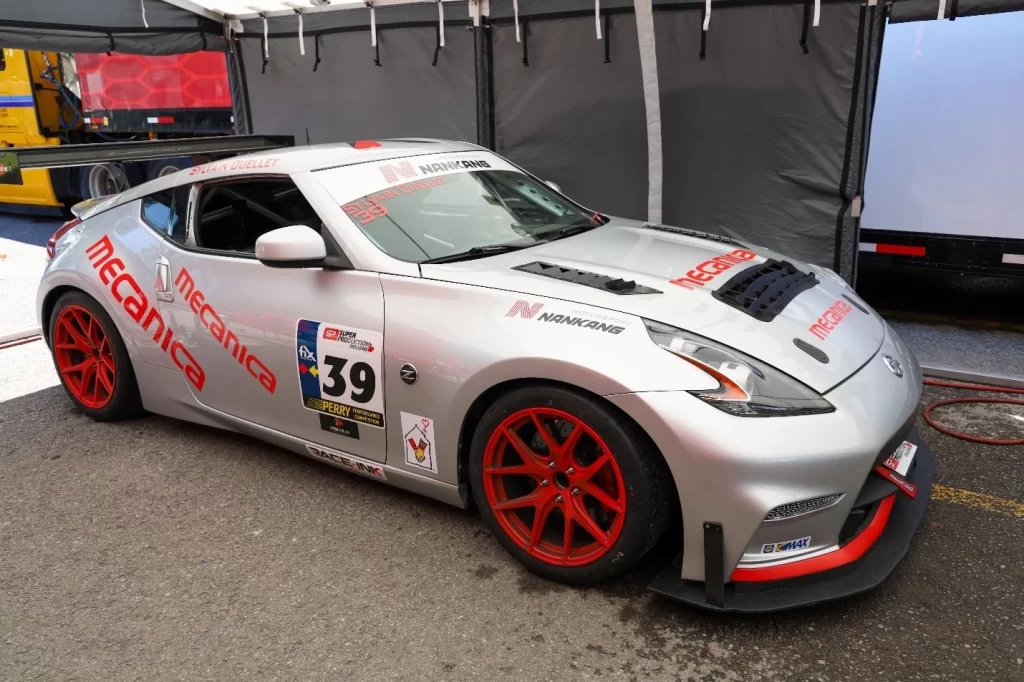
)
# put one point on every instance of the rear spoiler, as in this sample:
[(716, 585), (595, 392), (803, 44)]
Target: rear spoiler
[(83, 206)]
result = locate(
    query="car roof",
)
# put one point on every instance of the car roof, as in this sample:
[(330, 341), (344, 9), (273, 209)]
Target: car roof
[(290, 160)]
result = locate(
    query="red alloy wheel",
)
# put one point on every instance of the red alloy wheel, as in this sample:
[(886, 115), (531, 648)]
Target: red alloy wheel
[(85, 359), (554, 486)]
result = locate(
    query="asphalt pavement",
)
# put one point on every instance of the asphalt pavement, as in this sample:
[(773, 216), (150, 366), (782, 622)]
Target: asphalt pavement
[(154, 549)]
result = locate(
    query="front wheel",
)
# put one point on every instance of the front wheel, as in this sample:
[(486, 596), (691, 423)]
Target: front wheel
[(91, 359), (568, 487)]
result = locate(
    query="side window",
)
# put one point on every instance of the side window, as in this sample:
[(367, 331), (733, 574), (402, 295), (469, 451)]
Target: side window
[(165, 212), (231, 216)]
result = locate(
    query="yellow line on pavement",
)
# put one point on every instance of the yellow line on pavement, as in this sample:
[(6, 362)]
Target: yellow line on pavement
[(969, 498)]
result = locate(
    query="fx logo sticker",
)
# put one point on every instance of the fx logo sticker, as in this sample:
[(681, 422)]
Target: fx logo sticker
[(418, 440), (339, 369)]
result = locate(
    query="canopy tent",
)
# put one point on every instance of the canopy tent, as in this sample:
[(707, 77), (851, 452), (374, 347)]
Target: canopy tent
[(744, 118)]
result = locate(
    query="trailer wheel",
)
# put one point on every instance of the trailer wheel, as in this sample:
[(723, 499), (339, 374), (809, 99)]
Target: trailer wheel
[(107, 178), (164, 167)]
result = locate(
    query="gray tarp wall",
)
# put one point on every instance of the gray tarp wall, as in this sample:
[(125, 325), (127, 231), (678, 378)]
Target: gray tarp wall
[(761, 138)]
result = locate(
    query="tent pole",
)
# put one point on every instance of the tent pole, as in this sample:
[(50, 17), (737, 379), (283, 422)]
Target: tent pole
[(483, 50), (652, 105)]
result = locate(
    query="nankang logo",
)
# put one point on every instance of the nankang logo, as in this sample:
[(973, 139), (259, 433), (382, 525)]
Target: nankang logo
[(524, 309), (393, 171), (452, 166), (791, 545)]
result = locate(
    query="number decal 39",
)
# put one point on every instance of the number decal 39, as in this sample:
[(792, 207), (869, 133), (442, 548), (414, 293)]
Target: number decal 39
[(339, 368)]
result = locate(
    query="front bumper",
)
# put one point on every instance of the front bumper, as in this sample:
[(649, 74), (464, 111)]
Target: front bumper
[(858, 564)]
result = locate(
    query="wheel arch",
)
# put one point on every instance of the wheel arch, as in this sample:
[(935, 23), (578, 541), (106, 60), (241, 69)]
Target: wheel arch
[(492, 394), (49, 301)]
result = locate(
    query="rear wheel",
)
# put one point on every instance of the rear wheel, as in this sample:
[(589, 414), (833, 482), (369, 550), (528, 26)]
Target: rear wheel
[(568, 487), (91, 359)]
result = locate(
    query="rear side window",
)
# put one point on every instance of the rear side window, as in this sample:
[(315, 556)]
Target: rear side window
[(231, 216), (165, 212)]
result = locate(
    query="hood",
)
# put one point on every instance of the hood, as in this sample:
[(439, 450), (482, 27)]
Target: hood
[(825, 319)]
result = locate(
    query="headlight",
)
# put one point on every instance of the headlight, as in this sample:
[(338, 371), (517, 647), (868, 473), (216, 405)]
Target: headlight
[(746, 387)]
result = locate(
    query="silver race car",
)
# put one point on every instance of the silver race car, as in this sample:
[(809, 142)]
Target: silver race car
[(430, 315)]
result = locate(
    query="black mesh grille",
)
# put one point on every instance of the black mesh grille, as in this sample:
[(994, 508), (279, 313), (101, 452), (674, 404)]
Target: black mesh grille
[(787, 511), (764, 290), (614, 285)]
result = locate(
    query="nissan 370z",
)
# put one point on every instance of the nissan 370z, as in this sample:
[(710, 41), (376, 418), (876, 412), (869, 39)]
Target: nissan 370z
[(429, 315)]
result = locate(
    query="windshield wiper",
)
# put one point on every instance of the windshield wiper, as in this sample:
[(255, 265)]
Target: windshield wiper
[(479, 252), (569, 230)]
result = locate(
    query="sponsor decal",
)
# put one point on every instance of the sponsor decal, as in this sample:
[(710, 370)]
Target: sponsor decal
[(10, 168), (214, 323), (445, 166), (787, 546), (524, 309), (710, 269), (237, 164), (370, 207), (338, 370), (418, 437), (128, 293), (900, 460), (347, 461), (339, 426), (393, 171), (903, 484), (830, 319), (583, 319)]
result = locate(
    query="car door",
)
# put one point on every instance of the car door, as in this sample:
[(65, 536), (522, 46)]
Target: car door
[(294, 350)]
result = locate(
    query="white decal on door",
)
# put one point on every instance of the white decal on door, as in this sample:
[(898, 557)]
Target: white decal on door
[(418, 440), (339, 371)]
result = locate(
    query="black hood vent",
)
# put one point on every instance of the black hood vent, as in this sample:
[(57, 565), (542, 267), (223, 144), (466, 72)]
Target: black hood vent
[(764, 290), (614, 285)]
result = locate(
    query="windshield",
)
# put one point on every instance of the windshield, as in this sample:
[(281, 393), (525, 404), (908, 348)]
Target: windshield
[(477, 203)]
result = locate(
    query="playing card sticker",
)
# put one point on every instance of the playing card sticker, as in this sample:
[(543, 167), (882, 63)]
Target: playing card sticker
[(418, 438), (339, 371)]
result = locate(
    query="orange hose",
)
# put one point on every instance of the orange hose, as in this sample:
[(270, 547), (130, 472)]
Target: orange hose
[(972, 387)]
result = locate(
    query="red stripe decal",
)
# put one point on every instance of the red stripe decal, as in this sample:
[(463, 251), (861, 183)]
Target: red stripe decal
[(900, 249), (848, 553), (165, 119)]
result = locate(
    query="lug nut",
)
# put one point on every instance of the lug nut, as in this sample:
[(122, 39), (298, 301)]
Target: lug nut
[(551, 465), (545, 482), (575, 491), (570, 470), (558, 498)]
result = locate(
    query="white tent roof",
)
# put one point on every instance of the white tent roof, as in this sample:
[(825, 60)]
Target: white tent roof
[(253, 9)]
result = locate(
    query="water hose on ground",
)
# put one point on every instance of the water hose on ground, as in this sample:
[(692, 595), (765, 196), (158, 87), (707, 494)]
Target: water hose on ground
[(974, 399)]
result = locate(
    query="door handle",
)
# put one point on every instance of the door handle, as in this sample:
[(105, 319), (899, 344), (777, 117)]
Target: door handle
[(163, 280)]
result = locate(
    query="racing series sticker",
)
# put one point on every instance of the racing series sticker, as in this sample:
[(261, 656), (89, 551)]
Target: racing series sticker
[(788, 546), (339, 370), (418, 439)]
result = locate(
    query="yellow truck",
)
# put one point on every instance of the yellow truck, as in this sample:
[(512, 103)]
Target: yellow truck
[(30, 113)]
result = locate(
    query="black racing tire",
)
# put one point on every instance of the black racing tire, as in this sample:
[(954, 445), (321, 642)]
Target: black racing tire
[(124, 401), (162, 167), (640, 479)]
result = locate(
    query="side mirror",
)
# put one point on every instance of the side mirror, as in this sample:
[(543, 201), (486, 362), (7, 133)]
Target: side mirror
[(295, 246), (553, 186)]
